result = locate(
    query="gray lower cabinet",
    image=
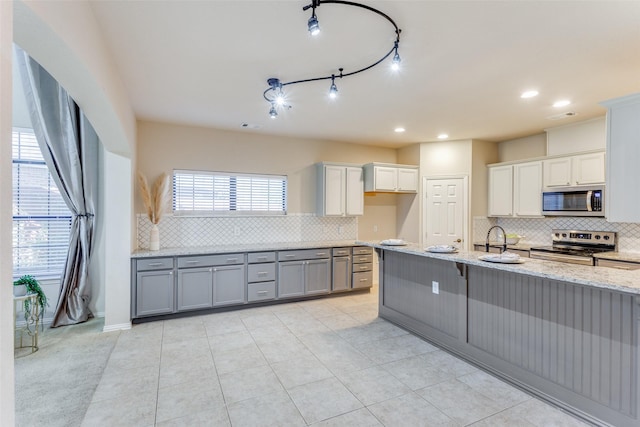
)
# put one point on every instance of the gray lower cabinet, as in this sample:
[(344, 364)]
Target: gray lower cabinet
[(362, 267), (154, 293), (228, 285), (195, 288), (298, 278), (291, 279), (341, 273), (317, 276)]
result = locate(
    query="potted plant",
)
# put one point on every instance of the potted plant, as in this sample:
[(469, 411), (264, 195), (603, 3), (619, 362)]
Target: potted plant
[(32, 287)]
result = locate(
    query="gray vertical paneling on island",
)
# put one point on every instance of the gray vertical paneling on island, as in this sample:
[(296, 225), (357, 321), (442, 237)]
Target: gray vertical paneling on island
[(409, 289), (583, 339)]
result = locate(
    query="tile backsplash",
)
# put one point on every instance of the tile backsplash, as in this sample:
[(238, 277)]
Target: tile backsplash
[(537, 231), (186, 231)]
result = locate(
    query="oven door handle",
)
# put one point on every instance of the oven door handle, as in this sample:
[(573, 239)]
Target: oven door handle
[(589, 199), (561, 258)]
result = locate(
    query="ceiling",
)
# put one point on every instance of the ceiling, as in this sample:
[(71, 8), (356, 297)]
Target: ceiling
[(464, 65)]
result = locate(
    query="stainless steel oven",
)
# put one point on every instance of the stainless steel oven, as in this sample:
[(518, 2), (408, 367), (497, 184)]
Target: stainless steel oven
[(576, 246), (573, 201)]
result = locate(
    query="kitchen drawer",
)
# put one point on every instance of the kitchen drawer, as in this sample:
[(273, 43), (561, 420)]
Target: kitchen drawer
[(261, 272), (341, 251), (367, 266), (362, 250), (359, 259), (257, 257), (261, 291), (621, 265), (154, 264), (304, 254), (210, 260), (362, 280)]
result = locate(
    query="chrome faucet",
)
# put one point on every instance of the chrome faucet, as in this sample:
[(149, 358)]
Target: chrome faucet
[(504, 236)]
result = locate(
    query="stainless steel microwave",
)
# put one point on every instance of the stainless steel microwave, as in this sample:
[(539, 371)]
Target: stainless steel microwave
[(573, 201)]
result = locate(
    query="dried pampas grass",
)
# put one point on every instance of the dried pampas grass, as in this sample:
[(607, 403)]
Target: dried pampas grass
[(155, 199)]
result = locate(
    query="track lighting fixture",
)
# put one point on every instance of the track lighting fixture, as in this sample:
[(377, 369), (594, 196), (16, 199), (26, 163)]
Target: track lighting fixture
[(333, 90), (275, 94)]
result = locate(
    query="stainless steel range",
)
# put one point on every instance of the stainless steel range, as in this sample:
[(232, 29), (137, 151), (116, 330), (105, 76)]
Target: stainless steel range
[(576, 246)]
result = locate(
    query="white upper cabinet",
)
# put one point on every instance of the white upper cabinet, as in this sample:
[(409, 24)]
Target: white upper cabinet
[(527, 193), (340, 190), (501, 191), (623, 152), (515, 190), (389, 178), (580, 169)]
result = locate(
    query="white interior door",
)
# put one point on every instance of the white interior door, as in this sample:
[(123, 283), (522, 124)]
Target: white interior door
[(445, 212)]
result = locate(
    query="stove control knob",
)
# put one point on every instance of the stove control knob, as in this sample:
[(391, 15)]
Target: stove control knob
[(606, 237), (597, 236), (557, 234), (564, 234)]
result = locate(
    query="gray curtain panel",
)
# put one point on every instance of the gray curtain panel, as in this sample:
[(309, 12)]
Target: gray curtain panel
[(69, 146)]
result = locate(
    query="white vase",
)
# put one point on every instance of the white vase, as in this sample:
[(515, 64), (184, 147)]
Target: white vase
[(154, 238), (19, 291)]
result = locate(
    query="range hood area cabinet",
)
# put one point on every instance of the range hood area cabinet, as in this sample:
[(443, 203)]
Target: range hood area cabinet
[(623, 152), (580, 169), (390, 178), (515, 190), (340, 189)]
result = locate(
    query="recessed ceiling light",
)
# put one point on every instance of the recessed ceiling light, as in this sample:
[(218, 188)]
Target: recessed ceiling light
[(399, 130), (529, 94), (561, 103), (443, 136)]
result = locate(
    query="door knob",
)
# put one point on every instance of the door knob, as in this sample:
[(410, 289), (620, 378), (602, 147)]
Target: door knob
[(457, 241)]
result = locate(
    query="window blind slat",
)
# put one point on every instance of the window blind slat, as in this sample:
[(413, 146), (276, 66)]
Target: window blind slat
[(223, 192), (41, 219)]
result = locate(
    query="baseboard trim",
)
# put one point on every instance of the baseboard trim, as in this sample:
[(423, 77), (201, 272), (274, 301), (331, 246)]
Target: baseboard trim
[(117, 327)]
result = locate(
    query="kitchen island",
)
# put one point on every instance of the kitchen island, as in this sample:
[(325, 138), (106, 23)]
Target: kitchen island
[(566, 333)]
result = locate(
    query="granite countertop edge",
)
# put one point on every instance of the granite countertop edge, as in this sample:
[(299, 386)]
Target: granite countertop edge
[(254, 247), (600, 277)]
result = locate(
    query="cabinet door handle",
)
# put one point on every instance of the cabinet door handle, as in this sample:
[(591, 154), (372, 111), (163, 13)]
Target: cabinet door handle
[(155, 264), (171, 273), (211, 270), (215, 269)]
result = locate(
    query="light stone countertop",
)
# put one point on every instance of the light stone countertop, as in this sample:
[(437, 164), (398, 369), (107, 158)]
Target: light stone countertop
[(221, 249), (600, 277)]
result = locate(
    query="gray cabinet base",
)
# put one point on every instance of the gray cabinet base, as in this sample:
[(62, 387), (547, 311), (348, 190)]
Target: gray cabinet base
[(574, 346)]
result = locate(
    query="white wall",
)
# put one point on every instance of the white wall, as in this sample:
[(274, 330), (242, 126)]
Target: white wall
[(7, 394), (527, 147), (577, 137), (163, 147)]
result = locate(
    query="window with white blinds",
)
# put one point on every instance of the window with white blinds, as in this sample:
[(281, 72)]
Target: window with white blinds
[(201, 192), (41, 219)]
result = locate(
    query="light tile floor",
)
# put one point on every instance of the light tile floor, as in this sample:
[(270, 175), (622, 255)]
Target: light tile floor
[(326, 362)]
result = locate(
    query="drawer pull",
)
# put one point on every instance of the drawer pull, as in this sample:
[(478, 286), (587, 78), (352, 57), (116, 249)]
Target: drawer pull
[(155, 264), (364, 280), (193, 262), (232, 259), (289, 256), (262, 273), (341, 253), (363, 260), (320, 253), (262, 258), (262, 292)]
